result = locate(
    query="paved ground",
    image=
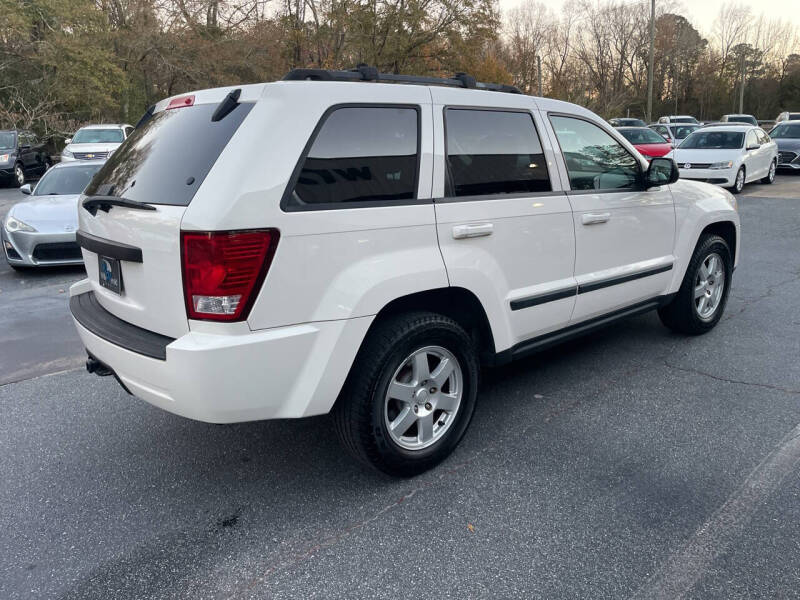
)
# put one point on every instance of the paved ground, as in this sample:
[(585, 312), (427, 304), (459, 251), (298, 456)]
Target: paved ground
[(631, 464), (36, 335)]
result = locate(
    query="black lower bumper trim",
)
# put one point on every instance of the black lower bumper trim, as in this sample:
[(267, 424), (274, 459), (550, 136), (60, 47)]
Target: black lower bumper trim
[(91, 315)]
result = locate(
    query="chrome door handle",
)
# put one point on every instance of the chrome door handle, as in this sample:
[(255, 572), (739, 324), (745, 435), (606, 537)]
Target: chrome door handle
[(461, 232), (595, 218)]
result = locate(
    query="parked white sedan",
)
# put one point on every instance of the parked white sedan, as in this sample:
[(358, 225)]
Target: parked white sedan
[(730, 156)]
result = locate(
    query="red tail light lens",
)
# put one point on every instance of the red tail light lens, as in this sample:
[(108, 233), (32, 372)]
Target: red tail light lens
[(180, 102), (223, 271)]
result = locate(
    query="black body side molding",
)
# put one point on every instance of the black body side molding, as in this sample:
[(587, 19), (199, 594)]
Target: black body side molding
[(543, 342)]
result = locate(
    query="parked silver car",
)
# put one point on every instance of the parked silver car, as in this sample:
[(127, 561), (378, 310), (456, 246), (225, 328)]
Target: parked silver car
[(41, 231)]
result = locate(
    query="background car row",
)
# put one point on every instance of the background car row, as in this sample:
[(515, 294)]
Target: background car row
[(25, 156)]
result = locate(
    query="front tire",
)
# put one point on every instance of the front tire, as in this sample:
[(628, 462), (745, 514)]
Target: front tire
[(410, 393), (19, 176), (701, 299), (738, 183), (770, 178)]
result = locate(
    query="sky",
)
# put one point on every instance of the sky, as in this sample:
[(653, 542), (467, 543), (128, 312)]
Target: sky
[(703, 12)]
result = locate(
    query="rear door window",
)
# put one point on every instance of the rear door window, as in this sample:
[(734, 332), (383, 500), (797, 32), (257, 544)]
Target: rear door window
[(359, 154), (493, 152), (165, 160)]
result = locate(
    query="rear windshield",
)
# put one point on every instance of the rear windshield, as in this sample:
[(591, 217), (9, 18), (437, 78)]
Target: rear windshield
[(166, 158), (66, 180), (743, 119), (642, 136), (683, 120), (713, 140), (98, 136)]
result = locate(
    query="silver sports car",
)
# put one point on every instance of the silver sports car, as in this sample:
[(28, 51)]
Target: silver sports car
[(40, 232)]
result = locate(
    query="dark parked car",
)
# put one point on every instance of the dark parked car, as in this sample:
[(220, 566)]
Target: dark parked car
[(22, 156), (787, 135), (627, 122)]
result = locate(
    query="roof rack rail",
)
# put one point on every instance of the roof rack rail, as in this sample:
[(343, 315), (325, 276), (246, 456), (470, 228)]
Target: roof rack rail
[(366, 73)]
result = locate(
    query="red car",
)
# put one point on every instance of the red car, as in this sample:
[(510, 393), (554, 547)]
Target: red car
[(646, 141)]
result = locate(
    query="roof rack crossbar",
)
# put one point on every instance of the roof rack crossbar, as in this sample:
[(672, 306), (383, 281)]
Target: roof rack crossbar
[(366, 73)]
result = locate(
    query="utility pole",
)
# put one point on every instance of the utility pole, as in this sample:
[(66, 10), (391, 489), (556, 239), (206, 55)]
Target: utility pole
[(539, 70), (650, 61), (741, 87)]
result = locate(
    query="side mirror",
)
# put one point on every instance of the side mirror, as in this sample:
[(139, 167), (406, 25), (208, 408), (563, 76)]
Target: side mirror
[(26, 189), (67, 141), (754, 147), (662, 171)]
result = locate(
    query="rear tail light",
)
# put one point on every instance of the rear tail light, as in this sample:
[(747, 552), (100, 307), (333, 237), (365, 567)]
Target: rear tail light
[(223, 271)]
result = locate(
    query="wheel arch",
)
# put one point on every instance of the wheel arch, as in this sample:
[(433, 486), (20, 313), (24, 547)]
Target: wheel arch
[(457, 303), (724, 229)]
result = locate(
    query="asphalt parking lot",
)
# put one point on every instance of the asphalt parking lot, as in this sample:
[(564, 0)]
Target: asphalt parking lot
[(634, 463)]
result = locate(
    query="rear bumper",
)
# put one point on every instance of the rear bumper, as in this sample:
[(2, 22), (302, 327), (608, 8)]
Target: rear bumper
[(285, 372)]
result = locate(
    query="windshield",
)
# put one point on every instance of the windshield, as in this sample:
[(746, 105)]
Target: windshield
[(6, 139), (786, 131), (98, 136), (684, 131), (632, 122), (642, 136), (168, 156), (713, 140), (683, 120), (66, 180)]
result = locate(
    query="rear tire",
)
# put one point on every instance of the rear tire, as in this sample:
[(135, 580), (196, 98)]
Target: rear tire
[(700, 302), (770, 178), (402, 411)]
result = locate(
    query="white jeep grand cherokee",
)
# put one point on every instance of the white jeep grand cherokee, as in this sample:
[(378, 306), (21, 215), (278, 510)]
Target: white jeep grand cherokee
[(361, 243)]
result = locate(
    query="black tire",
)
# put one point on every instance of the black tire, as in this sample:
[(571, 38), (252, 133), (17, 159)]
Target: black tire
[(359, 412), (737, 187), (681, 314), (770, 178), (18, 179)]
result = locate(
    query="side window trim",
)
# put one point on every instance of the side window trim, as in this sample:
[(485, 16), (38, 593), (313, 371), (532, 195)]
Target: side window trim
[(570, 191), (449, 195), (287, 206)]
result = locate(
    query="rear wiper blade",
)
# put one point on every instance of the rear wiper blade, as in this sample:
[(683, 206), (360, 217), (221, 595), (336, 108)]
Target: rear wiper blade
[(227, 105), (104, 203)]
